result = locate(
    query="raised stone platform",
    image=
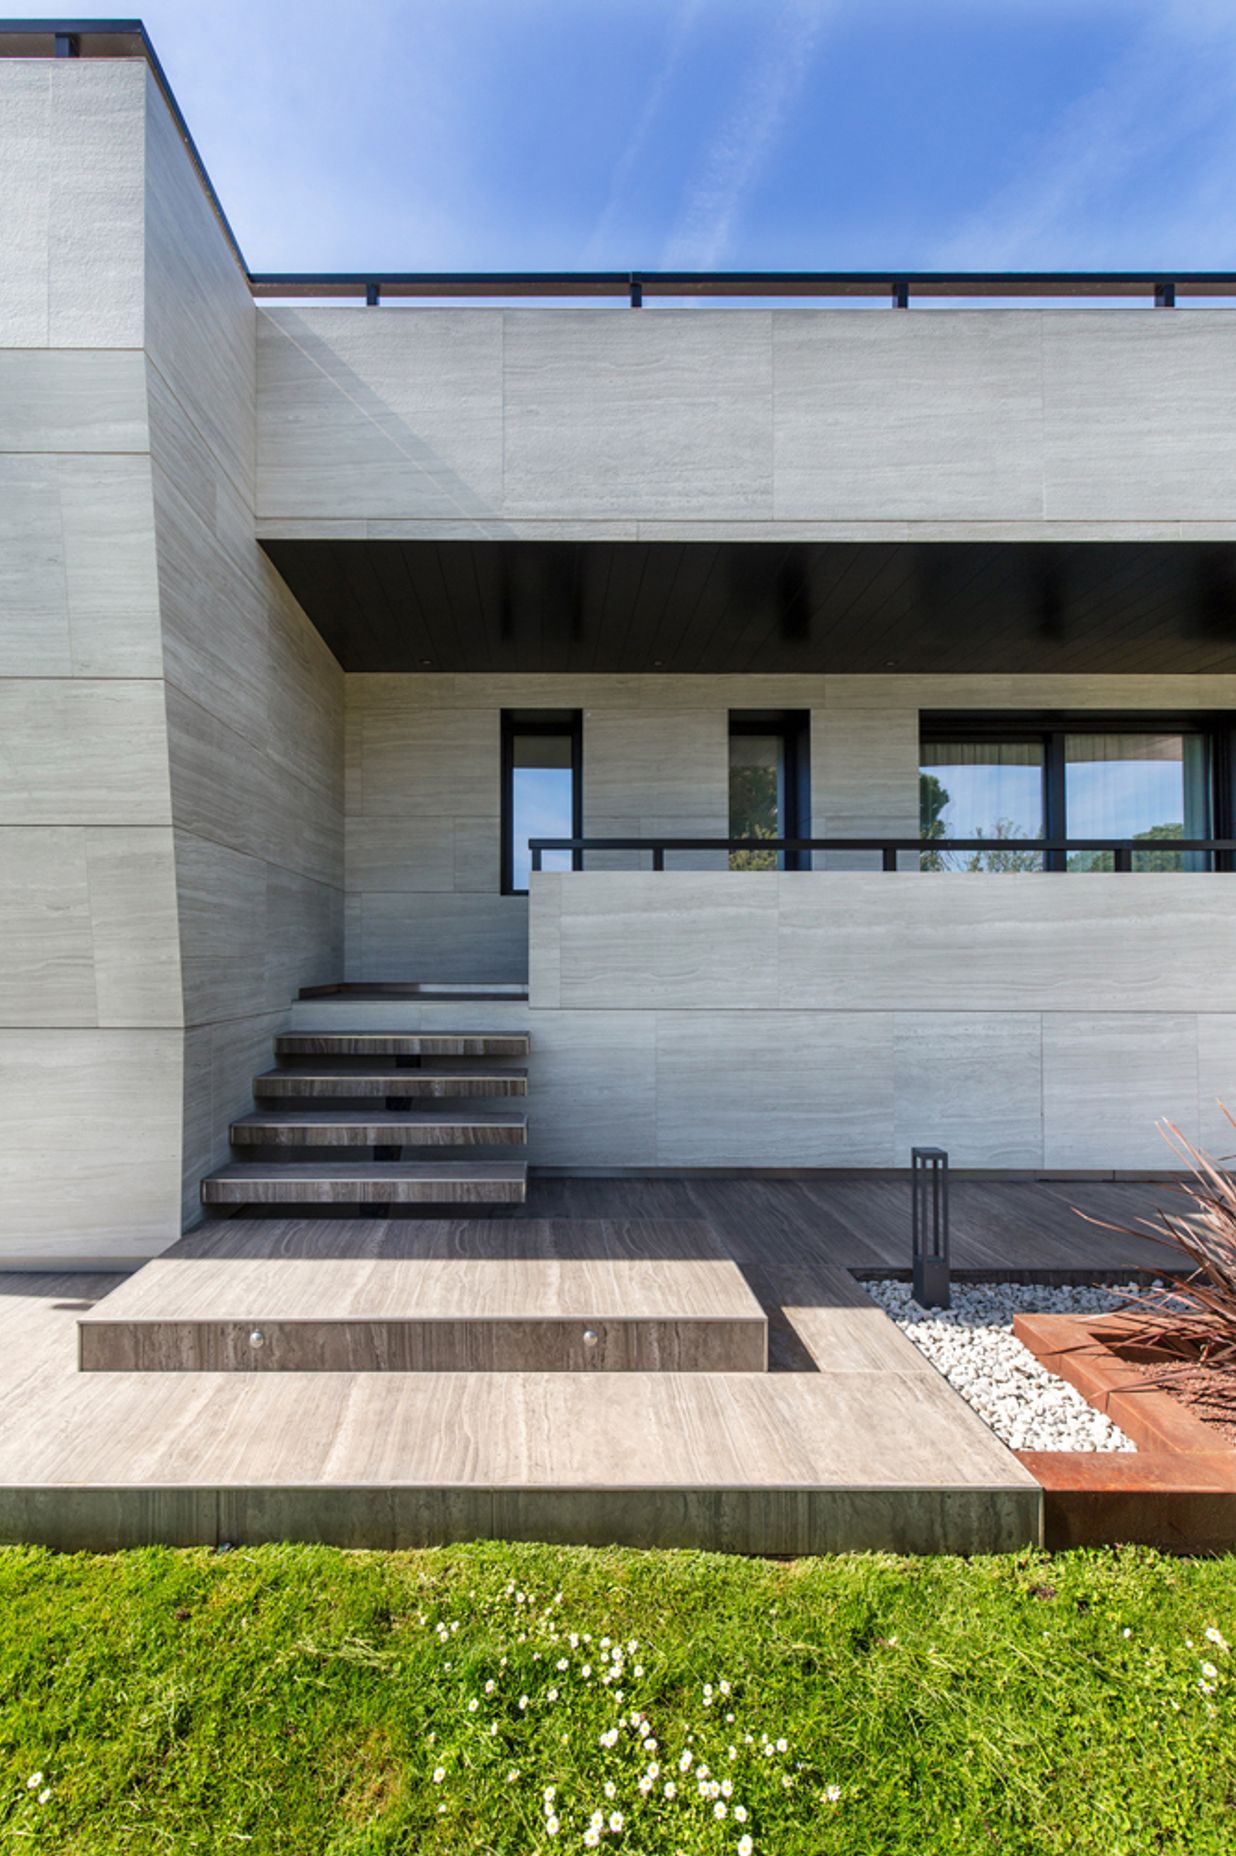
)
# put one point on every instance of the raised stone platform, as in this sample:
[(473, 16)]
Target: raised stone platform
[(851, 1442), (442, 1296)]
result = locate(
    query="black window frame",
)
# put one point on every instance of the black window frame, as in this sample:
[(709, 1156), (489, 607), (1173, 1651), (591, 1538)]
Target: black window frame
[(793, 728), (1050, 729), (517, 723)]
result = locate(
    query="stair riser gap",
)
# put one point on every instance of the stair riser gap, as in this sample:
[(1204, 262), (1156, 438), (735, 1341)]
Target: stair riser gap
[(406, 1134), (398, 1083), (402, 1044), (335, 1191)]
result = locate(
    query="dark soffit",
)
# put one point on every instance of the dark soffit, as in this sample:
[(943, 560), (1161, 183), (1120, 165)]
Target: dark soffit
[(734, 607)]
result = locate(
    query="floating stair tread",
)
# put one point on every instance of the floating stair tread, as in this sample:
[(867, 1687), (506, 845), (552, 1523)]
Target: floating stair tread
[(467, 1078), (438, 1295), (370, 1182), (433, 1127), (444, 1268), (402, 1044)]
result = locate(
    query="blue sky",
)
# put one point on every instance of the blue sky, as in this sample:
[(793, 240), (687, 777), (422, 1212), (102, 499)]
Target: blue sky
[(547, 134)]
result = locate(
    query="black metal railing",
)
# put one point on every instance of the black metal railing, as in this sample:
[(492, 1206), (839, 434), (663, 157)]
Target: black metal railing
[(1055, 852), (636, 288)]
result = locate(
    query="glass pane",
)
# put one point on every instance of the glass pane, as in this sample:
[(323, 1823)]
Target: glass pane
[(1148, 786), (757, 797), (542, 801), (982, 789)]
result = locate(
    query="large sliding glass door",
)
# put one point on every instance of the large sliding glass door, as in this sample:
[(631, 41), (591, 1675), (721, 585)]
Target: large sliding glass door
[(1149, 786), (983, 789), (1009, 784)]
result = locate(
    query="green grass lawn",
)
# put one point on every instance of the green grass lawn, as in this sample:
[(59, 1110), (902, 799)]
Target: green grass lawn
[(501, 1698)]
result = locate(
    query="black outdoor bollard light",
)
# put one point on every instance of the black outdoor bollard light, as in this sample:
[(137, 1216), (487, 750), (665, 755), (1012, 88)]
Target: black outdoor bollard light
[(929, 1224)]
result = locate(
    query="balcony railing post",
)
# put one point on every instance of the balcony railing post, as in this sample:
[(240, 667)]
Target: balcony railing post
[(658, 857), (1122, 858), (536, 857), (889, 857)]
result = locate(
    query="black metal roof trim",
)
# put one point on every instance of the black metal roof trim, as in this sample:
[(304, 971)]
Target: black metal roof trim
[(891, 283)]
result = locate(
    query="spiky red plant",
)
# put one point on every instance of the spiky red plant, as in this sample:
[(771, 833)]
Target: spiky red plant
[(1192, 1318)]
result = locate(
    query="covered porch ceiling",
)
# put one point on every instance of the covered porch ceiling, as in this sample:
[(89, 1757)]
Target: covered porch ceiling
[(737, 606)]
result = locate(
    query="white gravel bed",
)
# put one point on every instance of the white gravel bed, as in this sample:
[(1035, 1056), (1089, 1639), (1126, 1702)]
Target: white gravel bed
[(972, 1344)]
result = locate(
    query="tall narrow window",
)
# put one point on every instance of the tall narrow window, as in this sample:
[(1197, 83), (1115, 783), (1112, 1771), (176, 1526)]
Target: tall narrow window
[(768, 785), (990, 790), (542, 794)]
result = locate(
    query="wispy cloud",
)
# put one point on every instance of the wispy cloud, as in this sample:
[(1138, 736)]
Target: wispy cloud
[(677, 40), (742, 148), (1091, 194)]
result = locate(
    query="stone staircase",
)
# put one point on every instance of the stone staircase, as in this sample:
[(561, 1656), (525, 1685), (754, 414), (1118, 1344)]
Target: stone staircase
[(336, 1116)]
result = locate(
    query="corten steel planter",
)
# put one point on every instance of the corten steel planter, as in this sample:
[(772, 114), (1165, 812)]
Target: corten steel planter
[(1177, 1492)]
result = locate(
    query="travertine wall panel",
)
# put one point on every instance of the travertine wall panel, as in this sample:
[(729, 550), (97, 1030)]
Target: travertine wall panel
[(916, 418), (1109, 1078), (1216, 1082), (785, 424), (154, 672), (377, 416), (199, 321), (47, 977), (976, 942), (1139, 420), (71, 211), (972, 1083), (254, 698), (83, 752), (90, 1161), (72, 400), (90, 999), (837, 940), (801, 1089), (629, 416), (1020, 1022)]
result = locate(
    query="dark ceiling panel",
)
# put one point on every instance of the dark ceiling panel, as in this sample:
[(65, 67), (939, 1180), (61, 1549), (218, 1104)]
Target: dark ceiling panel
[(844, 607)]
